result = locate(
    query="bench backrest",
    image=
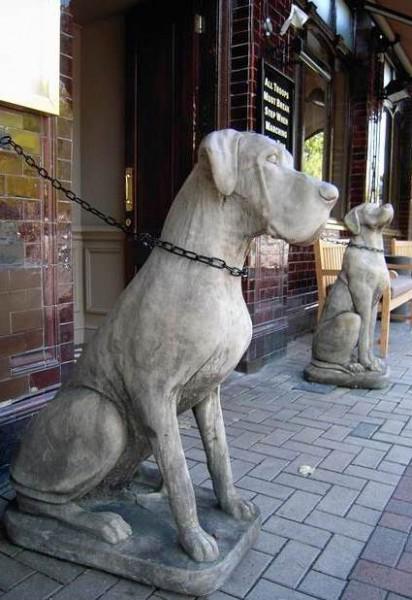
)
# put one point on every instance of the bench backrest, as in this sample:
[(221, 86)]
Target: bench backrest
[(328, 262), (401, 247)]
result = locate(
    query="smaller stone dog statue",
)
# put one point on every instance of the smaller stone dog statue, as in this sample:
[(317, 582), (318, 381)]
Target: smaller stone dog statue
[(342, 350)]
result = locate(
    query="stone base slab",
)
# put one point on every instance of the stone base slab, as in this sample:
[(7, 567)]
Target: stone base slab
[(151, 555), (371, 380)]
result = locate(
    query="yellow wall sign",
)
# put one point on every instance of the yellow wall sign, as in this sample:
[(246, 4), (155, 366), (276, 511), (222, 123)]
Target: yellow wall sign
[(30, 54)]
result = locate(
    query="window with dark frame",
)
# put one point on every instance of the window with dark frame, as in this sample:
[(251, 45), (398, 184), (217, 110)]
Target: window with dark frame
[(324, 117)]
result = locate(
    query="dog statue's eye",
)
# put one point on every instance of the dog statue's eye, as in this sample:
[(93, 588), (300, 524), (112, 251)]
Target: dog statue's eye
[(273, 158)]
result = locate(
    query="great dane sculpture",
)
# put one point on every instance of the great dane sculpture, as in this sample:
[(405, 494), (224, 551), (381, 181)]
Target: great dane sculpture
[(175, 333)]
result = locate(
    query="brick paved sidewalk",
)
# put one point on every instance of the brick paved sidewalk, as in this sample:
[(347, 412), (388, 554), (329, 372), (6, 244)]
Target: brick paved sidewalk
[(343, 532)]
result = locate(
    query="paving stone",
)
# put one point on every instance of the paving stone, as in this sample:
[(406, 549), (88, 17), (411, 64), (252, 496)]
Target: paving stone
[(343, 526), (216, 596), (392, 426), (292, 563), (268, 468), (89, 585), (385, 546), (274, 451), (392, 580), (306, 448), (364, 430), (12, 572), (274, 490), (300, 482), (167, 595), (337, 432), (248, 455), (373, 474), (364, 515), (247, 439), (338, 500), (60, 570), (391, 467), (375, 495), (404, 490), (361, 408), (128, 590), (386, 406), (246, 574), (400, 454), (299, 505), (369, 458), (267, 590), (405, 562), (339, 556), (308, 435), (313, 536), (303, 459), (345, 447), (362, 591), (322, 586), (393, 521), (367, 443), (315, 388), (36, 587), (399, 507), (337, 461), (266, 505), (278, 437), (394, 439), (354, 483), (269, 543)]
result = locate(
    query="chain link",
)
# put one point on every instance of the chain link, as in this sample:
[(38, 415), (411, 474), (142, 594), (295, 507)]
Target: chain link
[(351, 244), (145, 239)]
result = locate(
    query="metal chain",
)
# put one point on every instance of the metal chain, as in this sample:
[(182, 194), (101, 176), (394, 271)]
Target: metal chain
[(144, 238), (351, 244)]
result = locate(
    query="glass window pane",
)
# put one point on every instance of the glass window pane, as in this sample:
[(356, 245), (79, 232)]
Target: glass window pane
[(324, 10), (344, 22), (314, 123)]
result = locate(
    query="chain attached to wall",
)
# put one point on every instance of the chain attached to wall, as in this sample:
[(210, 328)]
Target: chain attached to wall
[(145, 239)]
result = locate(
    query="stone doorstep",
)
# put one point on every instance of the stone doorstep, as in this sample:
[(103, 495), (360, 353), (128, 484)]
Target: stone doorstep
[(151, 555)]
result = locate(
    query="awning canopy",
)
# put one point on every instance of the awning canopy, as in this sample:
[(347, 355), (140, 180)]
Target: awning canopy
[(398, 15)]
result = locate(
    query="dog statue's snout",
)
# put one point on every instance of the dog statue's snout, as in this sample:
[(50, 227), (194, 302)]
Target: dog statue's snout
[(328, 192)]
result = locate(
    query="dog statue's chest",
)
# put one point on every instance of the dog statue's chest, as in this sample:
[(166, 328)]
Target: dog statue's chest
[(230, 349)]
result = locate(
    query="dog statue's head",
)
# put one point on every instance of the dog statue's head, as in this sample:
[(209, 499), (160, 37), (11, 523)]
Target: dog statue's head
[(286, 203), (368, 215)]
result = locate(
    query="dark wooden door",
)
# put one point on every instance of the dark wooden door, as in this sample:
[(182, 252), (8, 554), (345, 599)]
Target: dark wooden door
[(171, 104)]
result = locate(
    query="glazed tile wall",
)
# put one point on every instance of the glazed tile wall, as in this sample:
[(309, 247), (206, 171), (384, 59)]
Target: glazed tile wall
[(266, 288), (36, 289)]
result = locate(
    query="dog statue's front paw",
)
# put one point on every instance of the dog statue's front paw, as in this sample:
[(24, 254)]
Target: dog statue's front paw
[(240, 509), (198, 544), (376, 364), (355, 367)]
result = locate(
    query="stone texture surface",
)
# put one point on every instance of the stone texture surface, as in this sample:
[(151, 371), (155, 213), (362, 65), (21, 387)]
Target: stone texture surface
[(335, 533), (151, 555)]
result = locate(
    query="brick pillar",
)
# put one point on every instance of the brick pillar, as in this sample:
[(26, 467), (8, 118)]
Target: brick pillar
[(266, 289)]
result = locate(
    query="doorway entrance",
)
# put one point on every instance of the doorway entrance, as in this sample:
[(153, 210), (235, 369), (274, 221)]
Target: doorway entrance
[(149, 91)]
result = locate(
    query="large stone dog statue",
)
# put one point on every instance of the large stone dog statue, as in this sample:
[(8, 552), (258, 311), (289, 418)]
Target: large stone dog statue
[(175, 333), (342, 349)]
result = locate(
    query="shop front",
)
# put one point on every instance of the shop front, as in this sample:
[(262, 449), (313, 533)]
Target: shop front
[(138, 85)]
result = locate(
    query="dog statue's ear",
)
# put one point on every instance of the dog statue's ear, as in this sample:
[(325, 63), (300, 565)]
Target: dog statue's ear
[(221, 151), (352, 222)]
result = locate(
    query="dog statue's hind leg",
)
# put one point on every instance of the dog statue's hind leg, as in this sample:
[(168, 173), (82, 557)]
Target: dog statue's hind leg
[(73, 445)]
